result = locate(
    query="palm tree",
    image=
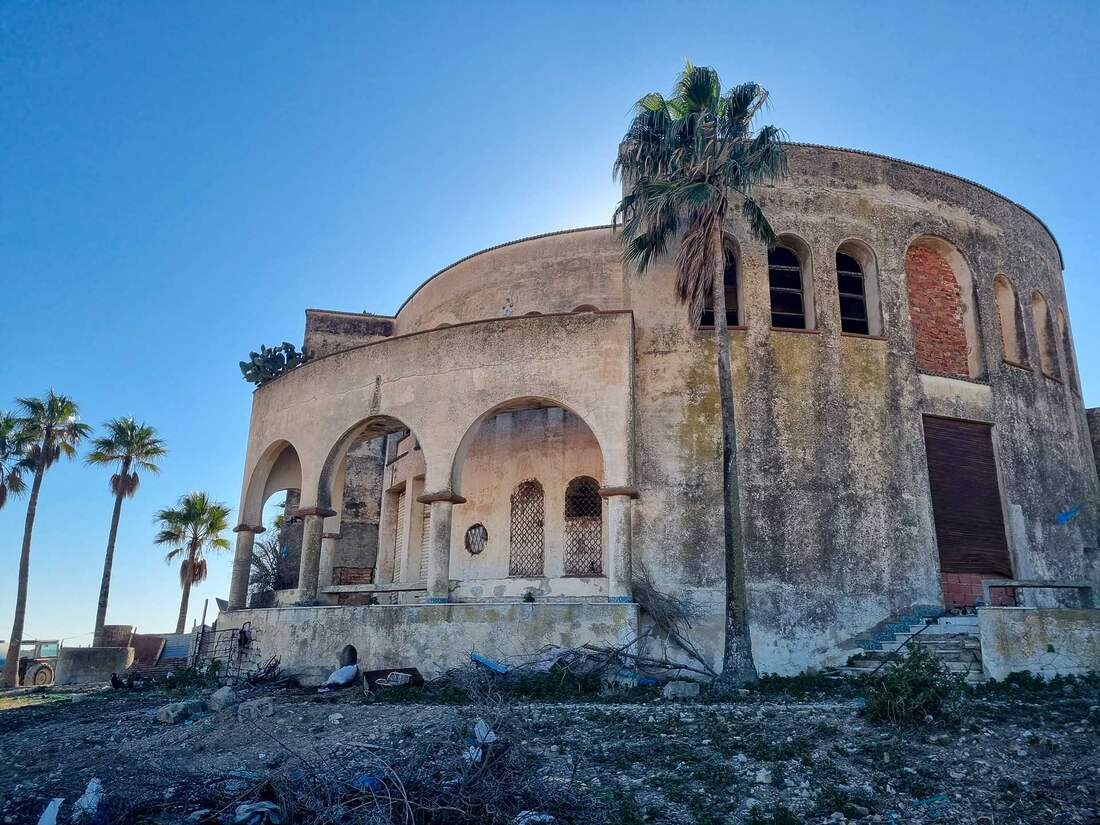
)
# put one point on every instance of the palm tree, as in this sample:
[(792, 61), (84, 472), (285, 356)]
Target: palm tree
[(14, 444), (51, 430), (689, 163), (195, 524), (128, 445)]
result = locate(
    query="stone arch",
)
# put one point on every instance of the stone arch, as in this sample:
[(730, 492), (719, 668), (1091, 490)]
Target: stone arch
[(332, 470), (1010, 319), (278, 468), (866, 263), (517, 404), (784, 286), (1044, 334), (586, 308), (942, 308)]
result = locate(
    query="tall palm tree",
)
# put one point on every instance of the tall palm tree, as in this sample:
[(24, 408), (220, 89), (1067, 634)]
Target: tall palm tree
[(129, 446), (195, 524), (51, 430), (689, 164), (14, 444)]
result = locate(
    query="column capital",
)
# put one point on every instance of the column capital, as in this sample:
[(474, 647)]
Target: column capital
[(608, 492), (249, 528), (330, 535), (442, 495), (323, 512)]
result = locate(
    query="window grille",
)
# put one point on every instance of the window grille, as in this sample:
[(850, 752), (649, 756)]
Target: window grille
[(785, 283), (583, 528), (476, 539), (526, 540), (729, 281), (853, 295), (425, 541)]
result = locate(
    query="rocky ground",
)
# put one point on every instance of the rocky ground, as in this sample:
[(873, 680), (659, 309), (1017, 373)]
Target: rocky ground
[(777, 756)]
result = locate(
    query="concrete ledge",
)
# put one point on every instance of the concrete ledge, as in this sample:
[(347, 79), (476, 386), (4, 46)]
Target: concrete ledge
[(430, 637), (91, 665), (1044, 641)]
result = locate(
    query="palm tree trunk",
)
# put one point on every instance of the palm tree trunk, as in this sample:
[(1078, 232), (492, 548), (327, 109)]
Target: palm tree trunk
[(11, 665), (738, 667), (182, 620), (109, 559)]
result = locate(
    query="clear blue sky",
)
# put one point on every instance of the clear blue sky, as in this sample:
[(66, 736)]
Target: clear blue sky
[(178, 181)]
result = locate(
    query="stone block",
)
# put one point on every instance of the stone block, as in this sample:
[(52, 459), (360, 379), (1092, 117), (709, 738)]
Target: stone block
[(255, 709), (681, 690)]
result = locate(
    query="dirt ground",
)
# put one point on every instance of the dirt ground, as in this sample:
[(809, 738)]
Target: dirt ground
[(767, 759)]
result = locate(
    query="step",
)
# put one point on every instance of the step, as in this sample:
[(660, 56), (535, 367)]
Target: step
[(974, 676)]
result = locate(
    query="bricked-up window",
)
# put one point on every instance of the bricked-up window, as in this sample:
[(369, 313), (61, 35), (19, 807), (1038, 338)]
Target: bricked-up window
[(583, 527), (1011, 321), (1044, 335), (853, 295), (729, 281), (785, 282), (938, 302), (526, 542)]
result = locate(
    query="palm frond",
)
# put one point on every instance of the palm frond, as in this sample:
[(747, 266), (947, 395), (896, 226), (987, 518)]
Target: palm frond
[(758, 221)]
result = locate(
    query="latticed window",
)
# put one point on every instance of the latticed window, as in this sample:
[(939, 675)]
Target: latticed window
[(526, 543), (583, 528), (729, 282)]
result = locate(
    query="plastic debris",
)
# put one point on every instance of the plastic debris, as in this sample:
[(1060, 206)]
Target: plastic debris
[(49, 816), (340, 678), (532, 818), (496, 667), (258, 813), (483, 734), (89, 807), (370, 781)]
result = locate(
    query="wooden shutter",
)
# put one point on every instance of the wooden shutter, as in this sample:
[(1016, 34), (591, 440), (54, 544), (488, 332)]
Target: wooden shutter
[(966, 497), (400, 538), (425, 540)]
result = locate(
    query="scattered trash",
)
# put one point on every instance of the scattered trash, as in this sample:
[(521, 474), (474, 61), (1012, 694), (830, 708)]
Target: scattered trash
[(335, 718), (89, 808), (496, 667), (532, 818), (394, 679), (763, 777), (483, 738), (180, 711), (370, 781), (340, 678), (49, 816), (258, 813)]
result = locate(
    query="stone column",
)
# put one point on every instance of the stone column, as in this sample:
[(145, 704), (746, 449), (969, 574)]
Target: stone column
[(242, 565), (313, 519), (328, 556), (620, 502), (439, 555)]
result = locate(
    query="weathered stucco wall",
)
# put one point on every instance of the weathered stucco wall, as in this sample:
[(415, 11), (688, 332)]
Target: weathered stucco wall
[(1094, 433), (91, 665), (328, 332), (547, 274), (433, 638), (1044, 641)]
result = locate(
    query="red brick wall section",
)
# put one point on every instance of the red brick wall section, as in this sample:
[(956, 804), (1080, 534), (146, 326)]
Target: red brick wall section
[(965, 589), (939, 336)]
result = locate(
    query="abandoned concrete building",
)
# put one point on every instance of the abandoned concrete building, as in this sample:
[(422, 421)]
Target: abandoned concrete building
[(484, 469)]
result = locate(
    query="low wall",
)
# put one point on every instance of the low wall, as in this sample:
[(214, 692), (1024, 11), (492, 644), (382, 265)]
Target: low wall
[(430, 637), (91, 665), (1044, 641)]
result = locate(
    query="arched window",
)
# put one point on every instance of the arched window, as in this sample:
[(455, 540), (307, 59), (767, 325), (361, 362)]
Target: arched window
[(1011, 320), (1067, 349), (525, 557), (853, 295), (583, 527), (1044, 335), (942, 309), (788, 292), (733, 310)]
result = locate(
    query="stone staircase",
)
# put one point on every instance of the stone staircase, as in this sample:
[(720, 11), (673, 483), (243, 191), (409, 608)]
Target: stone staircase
[(953, 640)]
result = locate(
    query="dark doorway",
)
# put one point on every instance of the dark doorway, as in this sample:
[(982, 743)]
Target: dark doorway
[(966, 504)]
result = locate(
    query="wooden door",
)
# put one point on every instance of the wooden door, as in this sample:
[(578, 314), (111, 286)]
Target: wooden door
[(966, 497)]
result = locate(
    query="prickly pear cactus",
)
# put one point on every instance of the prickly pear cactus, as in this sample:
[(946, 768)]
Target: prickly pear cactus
[(271, 362)]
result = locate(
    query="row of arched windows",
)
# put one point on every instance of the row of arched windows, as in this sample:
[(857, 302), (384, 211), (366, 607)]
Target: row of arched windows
[(583, 515), (1010, 317), (790, 289)]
